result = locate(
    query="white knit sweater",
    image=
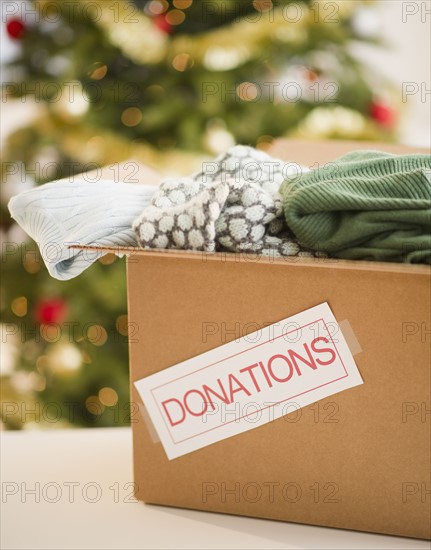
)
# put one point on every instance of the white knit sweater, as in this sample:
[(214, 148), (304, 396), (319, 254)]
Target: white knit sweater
[(58, 214)]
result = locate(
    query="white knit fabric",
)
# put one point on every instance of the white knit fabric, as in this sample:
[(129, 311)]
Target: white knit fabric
[(59, 213)]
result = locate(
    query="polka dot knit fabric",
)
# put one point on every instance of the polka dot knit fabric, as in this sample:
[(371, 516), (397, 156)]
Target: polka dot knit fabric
[(233, 205)]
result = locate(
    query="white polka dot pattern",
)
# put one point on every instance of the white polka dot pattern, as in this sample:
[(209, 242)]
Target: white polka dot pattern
[(232, 205)]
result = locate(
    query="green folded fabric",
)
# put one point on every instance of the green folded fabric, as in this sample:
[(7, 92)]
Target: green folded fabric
[(365, 205)]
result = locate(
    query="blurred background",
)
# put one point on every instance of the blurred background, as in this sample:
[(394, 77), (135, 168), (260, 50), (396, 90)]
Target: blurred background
[(170, 83)]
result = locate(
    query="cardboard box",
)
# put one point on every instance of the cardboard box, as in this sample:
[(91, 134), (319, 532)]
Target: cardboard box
[(359, 459)]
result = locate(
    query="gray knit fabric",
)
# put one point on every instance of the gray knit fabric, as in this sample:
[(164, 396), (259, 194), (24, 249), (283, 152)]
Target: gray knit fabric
[(233, 204)]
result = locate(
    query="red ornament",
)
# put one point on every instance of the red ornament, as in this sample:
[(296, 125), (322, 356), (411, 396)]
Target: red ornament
[(162, 24), (15, 28), (383, 114), (50, 311)]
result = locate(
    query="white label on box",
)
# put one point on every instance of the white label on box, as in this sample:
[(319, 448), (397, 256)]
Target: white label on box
[(249, 382)]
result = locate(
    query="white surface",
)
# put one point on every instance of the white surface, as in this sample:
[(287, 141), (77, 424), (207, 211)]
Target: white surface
[(403, 29), (103, 457)]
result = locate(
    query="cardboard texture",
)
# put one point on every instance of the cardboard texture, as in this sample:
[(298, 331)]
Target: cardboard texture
[(359, 459)]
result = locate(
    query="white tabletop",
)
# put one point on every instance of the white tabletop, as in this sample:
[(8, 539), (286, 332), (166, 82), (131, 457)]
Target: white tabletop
[(69, 489)]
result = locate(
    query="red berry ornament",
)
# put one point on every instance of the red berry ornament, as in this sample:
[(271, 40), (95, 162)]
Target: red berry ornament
[(50, 311), (15, 28), (162, 24), (383, 114)]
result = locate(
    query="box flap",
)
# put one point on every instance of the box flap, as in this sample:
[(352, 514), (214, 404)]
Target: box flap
[(222, 257), (313, 152)]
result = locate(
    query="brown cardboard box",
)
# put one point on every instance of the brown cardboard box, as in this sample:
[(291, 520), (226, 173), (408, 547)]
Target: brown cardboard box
[(357, 460)]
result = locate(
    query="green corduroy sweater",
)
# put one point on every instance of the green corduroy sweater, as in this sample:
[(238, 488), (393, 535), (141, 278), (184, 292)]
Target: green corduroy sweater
[(365, 205)]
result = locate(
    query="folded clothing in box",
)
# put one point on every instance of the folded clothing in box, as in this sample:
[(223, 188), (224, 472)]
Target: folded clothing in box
[(365, 205)]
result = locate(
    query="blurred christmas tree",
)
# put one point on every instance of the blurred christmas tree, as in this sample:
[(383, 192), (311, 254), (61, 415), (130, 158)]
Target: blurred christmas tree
[(159, 81)]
